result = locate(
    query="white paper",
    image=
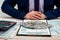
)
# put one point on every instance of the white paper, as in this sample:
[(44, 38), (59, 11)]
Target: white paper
[(26, 31), (55, 29)]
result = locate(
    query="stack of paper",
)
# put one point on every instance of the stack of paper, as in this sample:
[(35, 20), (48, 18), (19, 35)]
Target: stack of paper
[(40, 32)]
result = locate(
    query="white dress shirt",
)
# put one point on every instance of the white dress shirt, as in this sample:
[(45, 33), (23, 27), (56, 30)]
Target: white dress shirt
[(41, 5)]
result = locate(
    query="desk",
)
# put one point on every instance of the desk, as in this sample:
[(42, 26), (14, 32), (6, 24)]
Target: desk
[(12, 31), (55, 29), (53, 37)]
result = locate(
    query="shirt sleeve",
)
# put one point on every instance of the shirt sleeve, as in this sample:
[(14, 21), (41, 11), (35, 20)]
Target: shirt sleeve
[(55, 12), (8, 8)]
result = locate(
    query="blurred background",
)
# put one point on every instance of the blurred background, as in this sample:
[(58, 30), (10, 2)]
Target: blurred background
[(1, 13)]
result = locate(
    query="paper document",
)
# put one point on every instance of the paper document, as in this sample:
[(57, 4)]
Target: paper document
[(26, 31), (34, 31), (55, 29)]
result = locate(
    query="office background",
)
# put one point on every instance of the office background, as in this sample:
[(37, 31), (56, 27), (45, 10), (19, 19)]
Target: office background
[(1, 13)]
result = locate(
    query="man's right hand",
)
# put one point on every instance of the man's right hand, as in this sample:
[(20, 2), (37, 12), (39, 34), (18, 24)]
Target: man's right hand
[(33, 15)]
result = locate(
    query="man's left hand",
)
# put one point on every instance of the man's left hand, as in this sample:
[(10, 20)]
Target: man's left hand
[(43, 16)]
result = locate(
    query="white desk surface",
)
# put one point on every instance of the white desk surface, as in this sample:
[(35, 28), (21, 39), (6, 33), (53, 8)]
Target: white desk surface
[(11, 32), (53, 37)]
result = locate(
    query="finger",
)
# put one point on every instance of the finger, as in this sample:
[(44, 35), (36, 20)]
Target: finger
[(36, 16), (43, 16), (38, 12)]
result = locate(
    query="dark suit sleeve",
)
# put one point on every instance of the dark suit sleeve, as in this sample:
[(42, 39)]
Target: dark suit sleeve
[(54, 13), (8, 7)]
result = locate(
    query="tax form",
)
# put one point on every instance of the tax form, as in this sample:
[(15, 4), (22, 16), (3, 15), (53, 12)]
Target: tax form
[(34, 32)]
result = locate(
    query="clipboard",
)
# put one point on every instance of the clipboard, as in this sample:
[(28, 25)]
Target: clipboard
[(24, 31), (33, 32)]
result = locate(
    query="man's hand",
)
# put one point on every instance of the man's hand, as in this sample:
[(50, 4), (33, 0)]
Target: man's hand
[(35, 15), (43, 16)]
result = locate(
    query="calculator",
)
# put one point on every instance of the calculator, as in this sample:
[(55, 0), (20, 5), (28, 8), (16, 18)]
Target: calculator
[(5, 25)]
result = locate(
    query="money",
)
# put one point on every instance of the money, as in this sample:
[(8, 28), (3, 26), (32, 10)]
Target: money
[(36, 24)]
